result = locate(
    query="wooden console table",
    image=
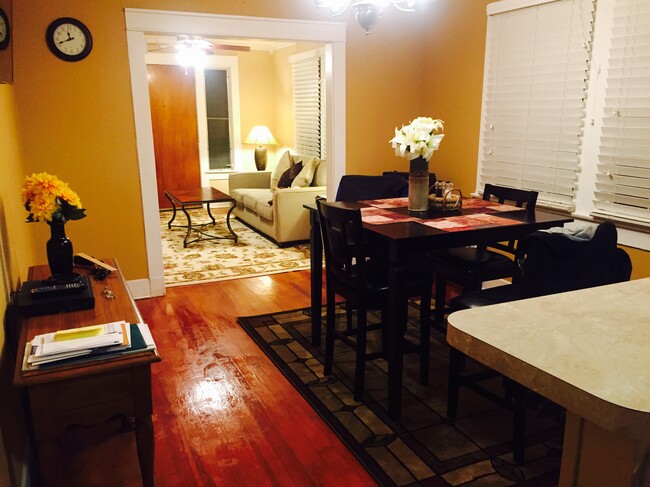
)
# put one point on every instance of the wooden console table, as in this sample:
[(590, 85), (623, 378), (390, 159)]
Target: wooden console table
[(87, 393)]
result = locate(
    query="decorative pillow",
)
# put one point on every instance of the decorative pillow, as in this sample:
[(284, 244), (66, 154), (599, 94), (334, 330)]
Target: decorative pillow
[(283, 164), (289, 175), (306, 176)]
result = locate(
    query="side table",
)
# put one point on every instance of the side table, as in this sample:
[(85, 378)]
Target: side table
[(90, 392)]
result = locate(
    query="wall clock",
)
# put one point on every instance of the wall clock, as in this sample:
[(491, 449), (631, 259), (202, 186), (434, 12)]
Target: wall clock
[(69, 39), (5, 30)]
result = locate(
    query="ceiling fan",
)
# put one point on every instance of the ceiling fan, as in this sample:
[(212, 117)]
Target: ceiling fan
[(196, 43)]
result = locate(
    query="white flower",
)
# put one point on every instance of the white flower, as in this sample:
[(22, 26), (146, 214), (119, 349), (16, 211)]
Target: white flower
[(418, 138)]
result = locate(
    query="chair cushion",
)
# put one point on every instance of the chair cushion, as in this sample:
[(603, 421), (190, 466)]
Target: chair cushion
[(486, 297), (471, 260)]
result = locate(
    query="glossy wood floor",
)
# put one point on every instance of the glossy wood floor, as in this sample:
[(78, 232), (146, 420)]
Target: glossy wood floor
[(223, 414)]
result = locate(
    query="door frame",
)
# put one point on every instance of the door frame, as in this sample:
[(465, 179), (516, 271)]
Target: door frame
[(143, 21)]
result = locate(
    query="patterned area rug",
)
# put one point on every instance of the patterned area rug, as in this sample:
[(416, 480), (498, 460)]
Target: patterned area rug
[(218, 260), (424, 447)]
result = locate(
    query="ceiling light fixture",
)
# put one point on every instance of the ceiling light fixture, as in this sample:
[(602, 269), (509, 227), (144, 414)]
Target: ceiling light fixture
[(192, 51), (367, 12)]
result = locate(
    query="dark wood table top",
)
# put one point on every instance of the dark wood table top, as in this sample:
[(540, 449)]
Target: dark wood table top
[(198, 195), (422, 236)]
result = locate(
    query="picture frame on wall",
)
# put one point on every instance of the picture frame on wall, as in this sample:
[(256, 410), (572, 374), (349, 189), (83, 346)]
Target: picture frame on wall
[(6, 42)]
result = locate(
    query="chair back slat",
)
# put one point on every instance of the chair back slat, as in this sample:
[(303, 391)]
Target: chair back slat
[(353, 187), (343, 243), (520, 198)]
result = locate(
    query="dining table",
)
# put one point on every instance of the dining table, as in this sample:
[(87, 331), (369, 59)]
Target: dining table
[(406, 236)]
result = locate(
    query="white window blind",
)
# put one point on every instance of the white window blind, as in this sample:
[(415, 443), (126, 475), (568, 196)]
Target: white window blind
[(623, 172), (308, 104), (536, 70)]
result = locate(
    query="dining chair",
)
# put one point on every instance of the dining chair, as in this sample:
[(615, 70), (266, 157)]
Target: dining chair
[(551, 262), (357, 187), (470, 267), (353, 273)]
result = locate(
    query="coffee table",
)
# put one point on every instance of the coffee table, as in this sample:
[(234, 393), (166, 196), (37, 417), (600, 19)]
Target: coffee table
[(182, 198)]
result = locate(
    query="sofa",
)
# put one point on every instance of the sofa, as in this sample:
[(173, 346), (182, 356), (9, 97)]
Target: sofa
[(277, 213)]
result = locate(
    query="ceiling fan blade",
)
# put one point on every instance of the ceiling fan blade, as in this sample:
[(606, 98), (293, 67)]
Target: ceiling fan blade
[(162, 49), (229, 47)]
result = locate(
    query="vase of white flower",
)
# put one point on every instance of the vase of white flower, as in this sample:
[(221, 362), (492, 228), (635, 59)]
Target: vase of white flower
[(417, 141), (418, 184)]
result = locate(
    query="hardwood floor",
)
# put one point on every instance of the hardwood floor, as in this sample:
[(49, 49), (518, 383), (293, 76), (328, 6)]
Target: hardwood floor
[(223, 414)]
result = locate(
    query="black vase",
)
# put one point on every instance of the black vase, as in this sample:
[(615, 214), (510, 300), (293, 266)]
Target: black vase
[(59, 250)]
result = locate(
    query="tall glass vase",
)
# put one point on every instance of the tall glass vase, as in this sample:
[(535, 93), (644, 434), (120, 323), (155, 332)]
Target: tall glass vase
[(59, 249), (418, 184)]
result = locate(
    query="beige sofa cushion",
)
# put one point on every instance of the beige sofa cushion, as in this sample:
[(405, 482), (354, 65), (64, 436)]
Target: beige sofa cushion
[(306, 176), (283, 164)]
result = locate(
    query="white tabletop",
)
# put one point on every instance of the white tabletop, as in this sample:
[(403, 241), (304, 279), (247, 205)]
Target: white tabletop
[(587, 350)]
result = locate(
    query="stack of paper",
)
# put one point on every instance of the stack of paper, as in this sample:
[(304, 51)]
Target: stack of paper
[(76, 342)]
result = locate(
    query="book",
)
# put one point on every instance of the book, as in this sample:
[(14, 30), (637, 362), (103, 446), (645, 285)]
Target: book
[(138, 335)]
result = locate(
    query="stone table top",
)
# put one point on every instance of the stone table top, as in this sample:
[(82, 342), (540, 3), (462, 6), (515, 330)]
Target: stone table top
[(587, 350)]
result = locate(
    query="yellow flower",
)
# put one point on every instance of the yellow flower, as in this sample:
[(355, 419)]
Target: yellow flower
[(47, 198)]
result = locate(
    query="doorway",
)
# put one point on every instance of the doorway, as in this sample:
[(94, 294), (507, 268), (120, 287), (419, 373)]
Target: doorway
[(140, 22)]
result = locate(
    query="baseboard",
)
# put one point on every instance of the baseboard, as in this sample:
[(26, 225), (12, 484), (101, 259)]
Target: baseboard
[(146, 288)]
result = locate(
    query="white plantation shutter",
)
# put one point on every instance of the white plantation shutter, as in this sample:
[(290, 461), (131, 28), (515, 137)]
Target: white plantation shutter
[(536, 70), (308, 104), (623, 172)]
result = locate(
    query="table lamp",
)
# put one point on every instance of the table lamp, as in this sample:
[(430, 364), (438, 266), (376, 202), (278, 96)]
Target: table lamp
[(260, 135)]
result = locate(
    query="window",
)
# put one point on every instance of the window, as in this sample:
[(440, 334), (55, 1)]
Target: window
[(309, 103), (607, 112), (623, 172), (218, 120), (536, 70)]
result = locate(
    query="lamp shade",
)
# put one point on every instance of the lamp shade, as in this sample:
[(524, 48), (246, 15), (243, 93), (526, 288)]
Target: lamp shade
[(260, 135)]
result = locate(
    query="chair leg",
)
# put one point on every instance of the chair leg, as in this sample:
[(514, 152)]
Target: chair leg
[(456, 361), (348, 316), (441, 302), (425, 332), (360, 361), (329, 334)]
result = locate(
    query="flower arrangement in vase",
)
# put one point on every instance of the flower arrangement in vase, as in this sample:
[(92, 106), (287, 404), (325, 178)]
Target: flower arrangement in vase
[(417, 142), (50, 200)]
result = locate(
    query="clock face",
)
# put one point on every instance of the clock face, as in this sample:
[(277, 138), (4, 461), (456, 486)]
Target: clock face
[(69, 39), (4, 30)]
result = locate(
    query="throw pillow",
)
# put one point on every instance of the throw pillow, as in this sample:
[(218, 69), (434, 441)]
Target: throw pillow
[(283, 164), (289, 175), (306, 176)]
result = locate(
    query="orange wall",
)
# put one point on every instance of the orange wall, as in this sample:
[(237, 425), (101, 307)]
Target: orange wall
[(76, 119)]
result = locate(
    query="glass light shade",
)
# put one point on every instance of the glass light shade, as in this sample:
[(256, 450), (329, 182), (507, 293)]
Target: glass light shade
[(260, 135), (367, 12), (193, 52)]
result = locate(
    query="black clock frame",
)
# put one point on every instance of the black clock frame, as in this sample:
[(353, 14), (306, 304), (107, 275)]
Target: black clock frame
[(49, 38), (5, 43)]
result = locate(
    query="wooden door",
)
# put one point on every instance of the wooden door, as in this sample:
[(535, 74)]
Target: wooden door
[(172, 95)]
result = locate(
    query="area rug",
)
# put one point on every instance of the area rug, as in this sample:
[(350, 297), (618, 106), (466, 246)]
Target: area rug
[(424, 447), (218, 260)]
